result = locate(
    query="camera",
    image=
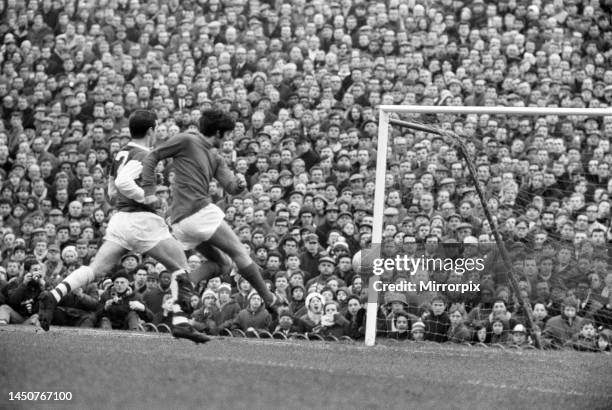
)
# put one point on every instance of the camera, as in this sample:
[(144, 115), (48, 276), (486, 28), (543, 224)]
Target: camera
[(36, 278)]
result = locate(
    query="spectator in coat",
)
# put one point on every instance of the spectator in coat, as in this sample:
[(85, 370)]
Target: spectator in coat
[(498, 332), (120, 307), (154, 297), (228, 307), (244, 290), (560, 329), (140, 281), (297, 306), (254, 317), (356, 315), (206, 318), (500, 312), (436, 321), (395, 303), (22, 295), (586, 339), (458, 332), (314, 311), (332, 322), (285, 324)]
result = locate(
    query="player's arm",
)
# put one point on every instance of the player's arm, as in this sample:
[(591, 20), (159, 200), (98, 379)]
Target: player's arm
[(112, 189), (125, 182), (168, 149), (232, 183)]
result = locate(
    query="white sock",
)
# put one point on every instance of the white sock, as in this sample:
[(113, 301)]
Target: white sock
[(174, 284), (77, 279)]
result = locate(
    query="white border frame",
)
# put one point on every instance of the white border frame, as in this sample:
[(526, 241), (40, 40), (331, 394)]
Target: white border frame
[(381, 167)]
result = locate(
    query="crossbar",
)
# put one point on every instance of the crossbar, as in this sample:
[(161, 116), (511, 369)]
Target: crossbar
[(533, 111)]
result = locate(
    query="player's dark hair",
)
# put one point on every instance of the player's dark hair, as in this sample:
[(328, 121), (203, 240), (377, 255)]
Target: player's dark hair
[(215, 121), (140, 122)]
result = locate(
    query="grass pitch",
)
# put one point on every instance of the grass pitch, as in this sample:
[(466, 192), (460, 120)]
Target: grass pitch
[(121, 370)]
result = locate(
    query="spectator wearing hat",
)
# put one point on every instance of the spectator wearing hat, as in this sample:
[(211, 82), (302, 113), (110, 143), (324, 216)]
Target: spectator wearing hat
[(129, 263), (331, 216), (314, 312), (519, 336), (326, 268), (206, 318), (395, 303), (120, 307), (229, 308), (418, 331)]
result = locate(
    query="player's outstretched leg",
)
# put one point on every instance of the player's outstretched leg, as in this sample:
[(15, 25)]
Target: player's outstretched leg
[(107, 256), (170, 254), (226, 240), (217, 264)]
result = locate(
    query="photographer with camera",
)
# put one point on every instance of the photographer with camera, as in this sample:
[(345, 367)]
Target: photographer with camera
[(22, 306), (120, 307)]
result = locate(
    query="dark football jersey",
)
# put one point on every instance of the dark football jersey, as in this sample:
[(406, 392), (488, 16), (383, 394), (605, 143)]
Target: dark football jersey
[(195, 163), (128, 153)]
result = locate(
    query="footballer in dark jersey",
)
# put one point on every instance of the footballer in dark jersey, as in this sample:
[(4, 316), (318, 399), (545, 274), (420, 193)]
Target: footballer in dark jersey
[(197, 222)]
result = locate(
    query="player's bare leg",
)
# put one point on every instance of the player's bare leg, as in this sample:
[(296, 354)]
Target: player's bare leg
[(170, 254), (106, 258)]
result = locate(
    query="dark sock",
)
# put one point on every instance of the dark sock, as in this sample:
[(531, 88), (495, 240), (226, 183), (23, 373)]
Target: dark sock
[(206, 271), (252, 275)]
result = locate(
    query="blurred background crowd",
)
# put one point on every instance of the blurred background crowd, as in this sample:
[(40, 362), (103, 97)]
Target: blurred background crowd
[(303, 80)]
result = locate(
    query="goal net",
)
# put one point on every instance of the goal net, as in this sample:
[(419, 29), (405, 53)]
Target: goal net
[(475, 205)]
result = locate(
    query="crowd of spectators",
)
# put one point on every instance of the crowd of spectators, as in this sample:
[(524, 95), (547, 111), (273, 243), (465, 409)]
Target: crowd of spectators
[(303, 80)]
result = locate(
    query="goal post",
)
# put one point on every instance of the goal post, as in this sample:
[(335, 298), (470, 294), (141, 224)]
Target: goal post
[(381, 170)]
